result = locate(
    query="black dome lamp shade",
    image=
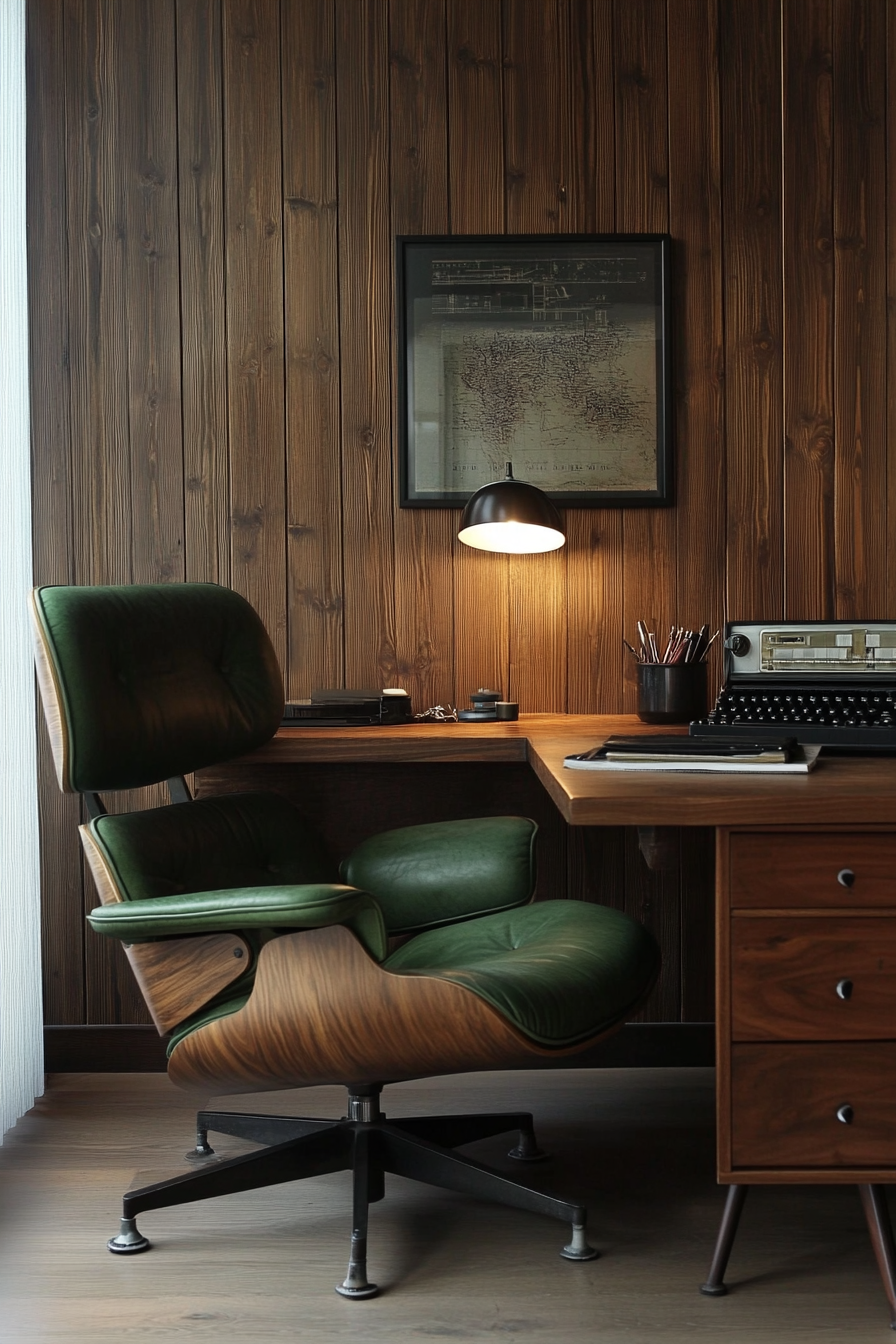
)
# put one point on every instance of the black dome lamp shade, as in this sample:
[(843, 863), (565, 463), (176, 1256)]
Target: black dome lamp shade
[(513, 517)]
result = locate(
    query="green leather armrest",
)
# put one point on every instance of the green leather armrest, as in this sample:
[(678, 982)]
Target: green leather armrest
[(422, 876), (310, 906)]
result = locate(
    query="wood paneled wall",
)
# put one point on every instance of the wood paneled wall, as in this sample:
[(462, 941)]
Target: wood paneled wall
[(214, 188)]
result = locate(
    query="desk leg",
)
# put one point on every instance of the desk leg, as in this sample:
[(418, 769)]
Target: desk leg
[(874, 1202), (714, 1287)]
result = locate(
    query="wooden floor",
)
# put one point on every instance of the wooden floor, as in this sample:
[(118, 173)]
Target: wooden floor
[(637, 1144)]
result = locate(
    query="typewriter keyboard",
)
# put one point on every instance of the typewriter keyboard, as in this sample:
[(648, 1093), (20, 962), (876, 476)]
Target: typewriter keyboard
[(834, 715)]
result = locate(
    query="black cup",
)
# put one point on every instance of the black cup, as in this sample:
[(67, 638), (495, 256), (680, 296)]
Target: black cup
[(507, 710), (671, 692)]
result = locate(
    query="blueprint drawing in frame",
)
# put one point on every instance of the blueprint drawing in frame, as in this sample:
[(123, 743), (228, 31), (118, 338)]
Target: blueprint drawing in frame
[(550, 352)]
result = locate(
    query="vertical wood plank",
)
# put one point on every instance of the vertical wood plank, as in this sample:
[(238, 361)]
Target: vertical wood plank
[(475, 101), (254, 309), (596, 865), (891, 315), (537, 167), (595, 854), (642, 174), (695, 220), (313, 467), (424, 538), (103, 507), (751, 200), (649, 535), (48, 297), (62, 927), (697, 934), (537, 199), (97, 271), (201, 199), (859, 301), (642, 206), (652, 896), (476, 205), (809, 555), (146, 162), (594, 536), (365, 274)]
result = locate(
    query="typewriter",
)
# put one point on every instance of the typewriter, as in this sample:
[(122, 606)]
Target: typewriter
[(832, 682)]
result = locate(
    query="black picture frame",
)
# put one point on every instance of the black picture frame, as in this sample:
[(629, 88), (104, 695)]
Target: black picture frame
[(549, 351)]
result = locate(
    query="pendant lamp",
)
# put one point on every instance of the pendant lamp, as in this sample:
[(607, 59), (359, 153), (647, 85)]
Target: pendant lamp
[(512, 517)]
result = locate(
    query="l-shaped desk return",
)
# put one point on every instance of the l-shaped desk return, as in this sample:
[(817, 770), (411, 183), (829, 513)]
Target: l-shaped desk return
[(841, 791)]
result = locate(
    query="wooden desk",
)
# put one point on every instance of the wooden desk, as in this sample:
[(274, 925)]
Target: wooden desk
[(841, 790), (805, 1069), (805, 1086), (357, 782)]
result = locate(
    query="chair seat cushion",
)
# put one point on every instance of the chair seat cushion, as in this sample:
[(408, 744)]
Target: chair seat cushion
[(560, 971)]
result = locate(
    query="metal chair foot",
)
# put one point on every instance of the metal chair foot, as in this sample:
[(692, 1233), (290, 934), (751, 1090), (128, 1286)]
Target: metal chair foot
[(578, 1248), (356, 1283), (198, 1154), (203, 1149), (713, 1289), (527, 1149), (129, 1241)]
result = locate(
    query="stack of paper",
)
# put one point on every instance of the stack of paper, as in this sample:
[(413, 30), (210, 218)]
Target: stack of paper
[(696, 755)]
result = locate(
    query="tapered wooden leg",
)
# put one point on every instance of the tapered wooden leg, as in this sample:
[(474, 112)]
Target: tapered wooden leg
[(874, 1202), (714, 1285)]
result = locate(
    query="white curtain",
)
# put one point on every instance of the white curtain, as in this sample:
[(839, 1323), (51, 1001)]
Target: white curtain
[(21, 1048)]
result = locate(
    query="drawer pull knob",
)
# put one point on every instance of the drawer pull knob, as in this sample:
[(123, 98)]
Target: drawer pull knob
[(844, 989), (846, 877), (845, 1114)]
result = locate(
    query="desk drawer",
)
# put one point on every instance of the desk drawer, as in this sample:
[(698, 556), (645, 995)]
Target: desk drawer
[(795, 978), (803, 869), (785, 1100)]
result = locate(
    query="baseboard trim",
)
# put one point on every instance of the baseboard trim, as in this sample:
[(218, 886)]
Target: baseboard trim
[(138, 1049), (103, 1049), (651, 1045)]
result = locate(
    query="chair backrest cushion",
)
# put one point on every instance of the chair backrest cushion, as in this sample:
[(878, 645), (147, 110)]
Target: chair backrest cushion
[(236, 840), (442, 872), (148, 681)]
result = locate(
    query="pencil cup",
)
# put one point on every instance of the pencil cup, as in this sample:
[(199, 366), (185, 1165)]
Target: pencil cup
[(671, 692)]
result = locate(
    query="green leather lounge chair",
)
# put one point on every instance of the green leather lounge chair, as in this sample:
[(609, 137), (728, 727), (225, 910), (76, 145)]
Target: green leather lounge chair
[(269, 968)]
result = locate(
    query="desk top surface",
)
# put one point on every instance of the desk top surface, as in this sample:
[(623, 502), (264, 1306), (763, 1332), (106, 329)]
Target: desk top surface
[(848, 791)]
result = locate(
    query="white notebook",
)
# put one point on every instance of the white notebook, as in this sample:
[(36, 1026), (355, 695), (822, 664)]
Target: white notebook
[(803, 760)]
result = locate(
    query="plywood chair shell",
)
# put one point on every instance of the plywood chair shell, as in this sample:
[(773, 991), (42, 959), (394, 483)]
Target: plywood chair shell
[(106, 885), (51, 697), (177, 976), (323, 1011)]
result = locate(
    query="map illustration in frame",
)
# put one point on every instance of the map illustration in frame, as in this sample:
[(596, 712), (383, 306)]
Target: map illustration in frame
[(551, 352)]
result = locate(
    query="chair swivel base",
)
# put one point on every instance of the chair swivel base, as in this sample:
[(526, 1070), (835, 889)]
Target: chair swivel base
[(368, 1145)]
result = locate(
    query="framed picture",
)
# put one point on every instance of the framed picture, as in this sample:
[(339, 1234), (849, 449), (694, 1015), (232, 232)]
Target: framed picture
[(550, 352)]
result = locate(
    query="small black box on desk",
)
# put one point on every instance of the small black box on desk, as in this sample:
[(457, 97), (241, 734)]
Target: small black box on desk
[(348, 709)]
